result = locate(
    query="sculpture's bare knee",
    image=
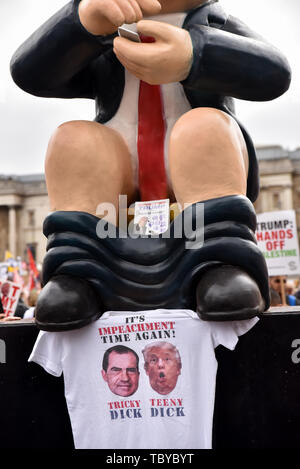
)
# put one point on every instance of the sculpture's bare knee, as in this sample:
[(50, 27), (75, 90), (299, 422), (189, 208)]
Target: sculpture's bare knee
[(83, 144), (208, 156), (87, 164)]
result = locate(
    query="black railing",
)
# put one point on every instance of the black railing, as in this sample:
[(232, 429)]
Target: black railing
[(257, 395)]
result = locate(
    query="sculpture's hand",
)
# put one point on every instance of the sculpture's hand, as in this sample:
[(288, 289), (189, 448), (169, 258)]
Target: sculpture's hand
[(102, 17), (168, 59)]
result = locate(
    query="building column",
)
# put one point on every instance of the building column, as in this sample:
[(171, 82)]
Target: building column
[(12, 230), (288, 199)]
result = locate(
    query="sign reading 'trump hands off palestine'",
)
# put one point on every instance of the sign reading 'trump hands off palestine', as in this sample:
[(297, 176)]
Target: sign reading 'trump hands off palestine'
[(277, 238)]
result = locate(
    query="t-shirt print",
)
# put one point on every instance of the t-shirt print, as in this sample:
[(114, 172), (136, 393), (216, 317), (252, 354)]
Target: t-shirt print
[(140, 380)]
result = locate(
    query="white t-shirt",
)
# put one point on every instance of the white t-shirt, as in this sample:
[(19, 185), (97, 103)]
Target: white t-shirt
[(29, 313), (170, 406)]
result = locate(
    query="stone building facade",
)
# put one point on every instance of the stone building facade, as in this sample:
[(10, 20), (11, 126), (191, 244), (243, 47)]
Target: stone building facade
[(24, 202), (23, 207)]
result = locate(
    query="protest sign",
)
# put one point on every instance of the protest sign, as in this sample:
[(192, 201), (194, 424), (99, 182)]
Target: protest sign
[(277, 238), (9, 294)]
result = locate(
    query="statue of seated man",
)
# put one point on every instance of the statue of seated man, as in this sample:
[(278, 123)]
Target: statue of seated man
[(202, 58)]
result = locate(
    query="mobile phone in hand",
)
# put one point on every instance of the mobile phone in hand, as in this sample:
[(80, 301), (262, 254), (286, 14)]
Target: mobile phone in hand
[(128, 34)]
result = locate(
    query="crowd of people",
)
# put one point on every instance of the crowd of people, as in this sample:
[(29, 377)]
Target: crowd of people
[(20, 285)]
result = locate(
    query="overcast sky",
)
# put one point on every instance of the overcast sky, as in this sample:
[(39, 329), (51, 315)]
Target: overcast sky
[(26, 122)]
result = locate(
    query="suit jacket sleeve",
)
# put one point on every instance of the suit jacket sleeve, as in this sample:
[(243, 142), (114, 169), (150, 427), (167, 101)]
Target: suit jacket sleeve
[(232, 60), (57, 60)]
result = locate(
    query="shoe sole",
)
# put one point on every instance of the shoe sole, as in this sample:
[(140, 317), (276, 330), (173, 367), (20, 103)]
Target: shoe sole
[(238, 315)]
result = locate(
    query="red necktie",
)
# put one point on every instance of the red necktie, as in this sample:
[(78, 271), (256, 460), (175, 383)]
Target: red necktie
[(150, 144)]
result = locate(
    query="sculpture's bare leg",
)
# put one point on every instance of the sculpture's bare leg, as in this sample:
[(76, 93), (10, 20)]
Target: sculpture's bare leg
[(208, 156), (87, 164)]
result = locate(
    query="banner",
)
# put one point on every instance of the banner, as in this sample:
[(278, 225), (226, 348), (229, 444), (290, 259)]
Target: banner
[(277, 238), (9, 295)]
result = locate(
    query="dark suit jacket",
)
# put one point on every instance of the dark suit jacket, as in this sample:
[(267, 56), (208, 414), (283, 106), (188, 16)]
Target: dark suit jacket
[(61, 59)]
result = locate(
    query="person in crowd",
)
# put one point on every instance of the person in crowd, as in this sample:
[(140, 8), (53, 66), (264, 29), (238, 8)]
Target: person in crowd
[(162, 365), (275, 290), (297, 289), (32, 300), (1, 309), (120, 369), (292, 300), (275, 298), (22, 307), (290, 287)]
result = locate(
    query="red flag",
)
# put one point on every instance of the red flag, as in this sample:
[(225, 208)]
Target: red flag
[(32, 266), (31, 282)]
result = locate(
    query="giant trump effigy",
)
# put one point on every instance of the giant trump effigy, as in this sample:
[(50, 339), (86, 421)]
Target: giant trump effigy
[(165, 128)]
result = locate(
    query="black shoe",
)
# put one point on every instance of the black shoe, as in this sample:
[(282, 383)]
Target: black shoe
[(66, 303), (227, 293)]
